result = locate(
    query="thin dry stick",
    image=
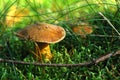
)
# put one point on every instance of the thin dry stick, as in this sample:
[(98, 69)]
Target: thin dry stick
[(110, 36), (103, 58), (109, 23)]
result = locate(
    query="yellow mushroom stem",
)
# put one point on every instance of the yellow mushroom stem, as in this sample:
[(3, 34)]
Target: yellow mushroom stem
[(43, 52)]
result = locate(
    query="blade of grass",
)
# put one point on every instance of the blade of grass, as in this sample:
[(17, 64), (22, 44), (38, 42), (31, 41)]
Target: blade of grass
[(7, 46), (109, 23)]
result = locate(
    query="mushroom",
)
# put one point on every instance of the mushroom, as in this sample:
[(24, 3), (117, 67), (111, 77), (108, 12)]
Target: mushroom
[(42, 34), (82, 30)]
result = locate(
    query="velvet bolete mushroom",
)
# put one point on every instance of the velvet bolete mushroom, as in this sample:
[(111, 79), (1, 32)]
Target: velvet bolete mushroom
[(43, 34)]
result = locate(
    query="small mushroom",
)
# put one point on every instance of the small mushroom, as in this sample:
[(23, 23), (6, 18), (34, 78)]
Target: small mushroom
[(82, 30), (43, 34)]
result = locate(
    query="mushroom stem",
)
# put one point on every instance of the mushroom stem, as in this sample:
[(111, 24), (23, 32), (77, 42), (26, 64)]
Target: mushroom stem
[(43, 52)]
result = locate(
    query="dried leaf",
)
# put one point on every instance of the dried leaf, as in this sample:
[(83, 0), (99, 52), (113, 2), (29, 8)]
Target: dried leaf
[(15, 15)]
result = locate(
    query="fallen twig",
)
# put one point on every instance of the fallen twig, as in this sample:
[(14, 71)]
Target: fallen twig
[(96, 61), (109, 36)]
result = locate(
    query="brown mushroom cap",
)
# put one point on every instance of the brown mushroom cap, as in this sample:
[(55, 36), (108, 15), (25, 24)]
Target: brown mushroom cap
[(42, 32), (82, 29)]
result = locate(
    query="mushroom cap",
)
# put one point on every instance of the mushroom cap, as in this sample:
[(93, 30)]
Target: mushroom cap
[(42, 32), (82, 29)]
